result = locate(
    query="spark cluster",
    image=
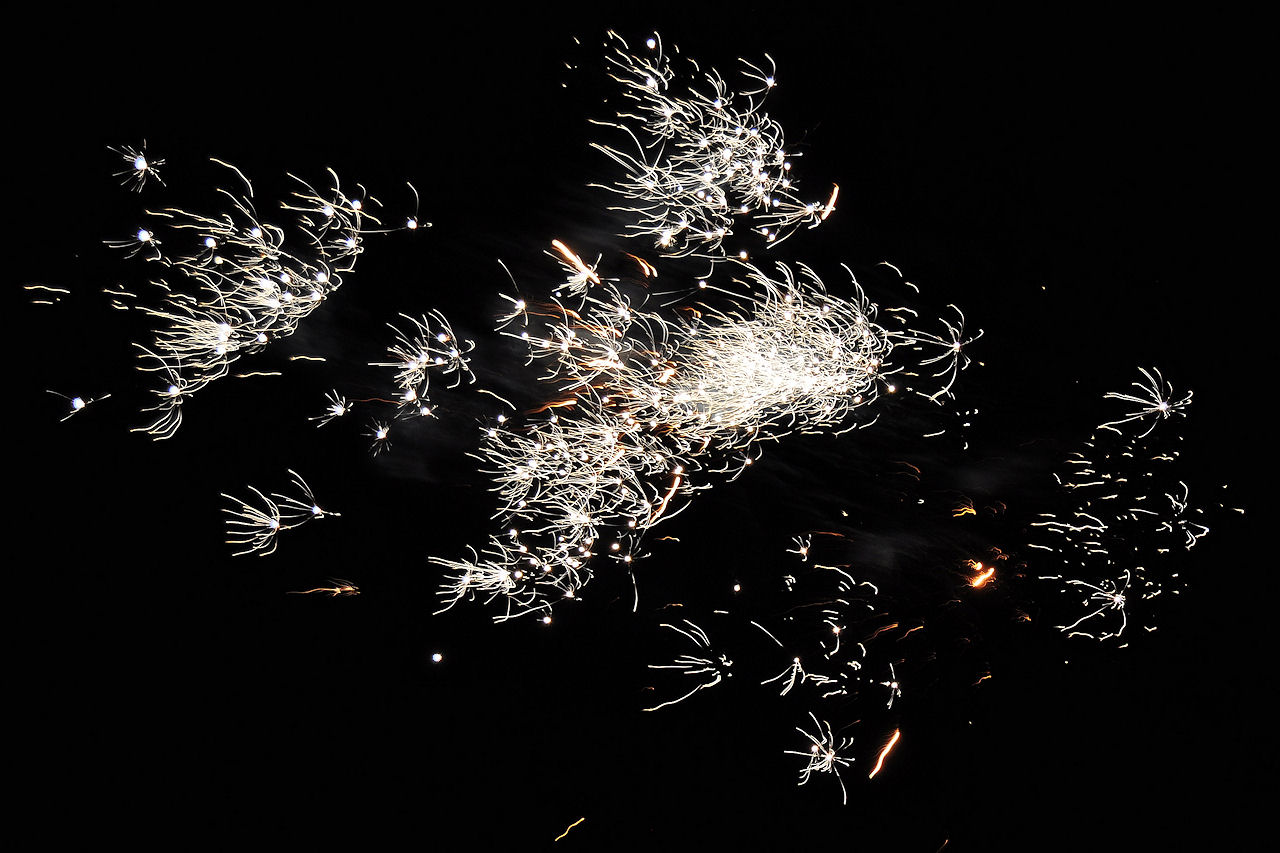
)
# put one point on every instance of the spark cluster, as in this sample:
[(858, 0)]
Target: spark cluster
[(824, 754), (254, 526), (650, 406), (702, 155), (642, 406), (235, 283), (1124, 515)]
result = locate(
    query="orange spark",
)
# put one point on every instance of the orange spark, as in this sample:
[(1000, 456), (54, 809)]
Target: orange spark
[(897, 733), (662, 507), (569, 827), (575, 261), (983, 576), (340, 587), (880, 631), (645, 267), (554, 404), (964, 508), (831, 203)]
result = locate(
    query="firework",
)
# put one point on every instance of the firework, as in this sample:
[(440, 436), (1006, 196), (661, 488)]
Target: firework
[(253, 526)]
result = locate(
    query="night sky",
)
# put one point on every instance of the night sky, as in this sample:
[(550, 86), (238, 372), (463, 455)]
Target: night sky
[(1073, 183)]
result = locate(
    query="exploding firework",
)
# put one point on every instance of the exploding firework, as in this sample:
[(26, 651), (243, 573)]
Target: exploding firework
[(643, 399)]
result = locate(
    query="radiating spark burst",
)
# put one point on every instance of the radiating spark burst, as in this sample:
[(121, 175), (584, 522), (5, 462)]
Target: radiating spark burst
[(709, 669), (254, 527), (338, 406), (701, 158), (823, 754), (1105, 597), (380, 432), (1113, 540), (140, 168), (647, 407), (1155, 399), (427, 344), (651, 403), (240, 282), (894, 688)]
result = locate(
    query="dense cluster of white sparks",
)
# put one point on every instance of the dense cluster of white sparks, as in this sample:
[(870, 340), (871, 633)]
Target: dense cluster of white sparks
[(236, 283), (651, 405), (701, 157), (646, 406)]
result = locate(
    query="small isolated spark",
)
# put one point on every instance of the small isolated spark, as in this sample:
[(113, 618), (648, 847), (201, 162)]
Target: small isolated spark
[(77, 404), (982, 574), (380, 432), (140, 168), (336, 408), (884, 753), (340, 587), (569, 827)]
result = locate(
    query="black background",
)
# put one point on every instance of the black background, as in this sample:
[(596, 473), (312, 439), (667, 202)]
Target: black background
[(1078, 182)]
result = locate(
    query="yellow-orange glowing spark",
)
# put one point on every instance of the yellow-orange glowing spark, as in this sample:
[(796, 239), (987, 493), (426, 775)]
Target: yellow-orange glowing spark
[(569, 827), (662, 507), (341, 587), (554, 404), (645, 267), (897, 733), (831, 203), (575, 261), (983, 576), (964, 508), (880, 631), (914, 469)]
